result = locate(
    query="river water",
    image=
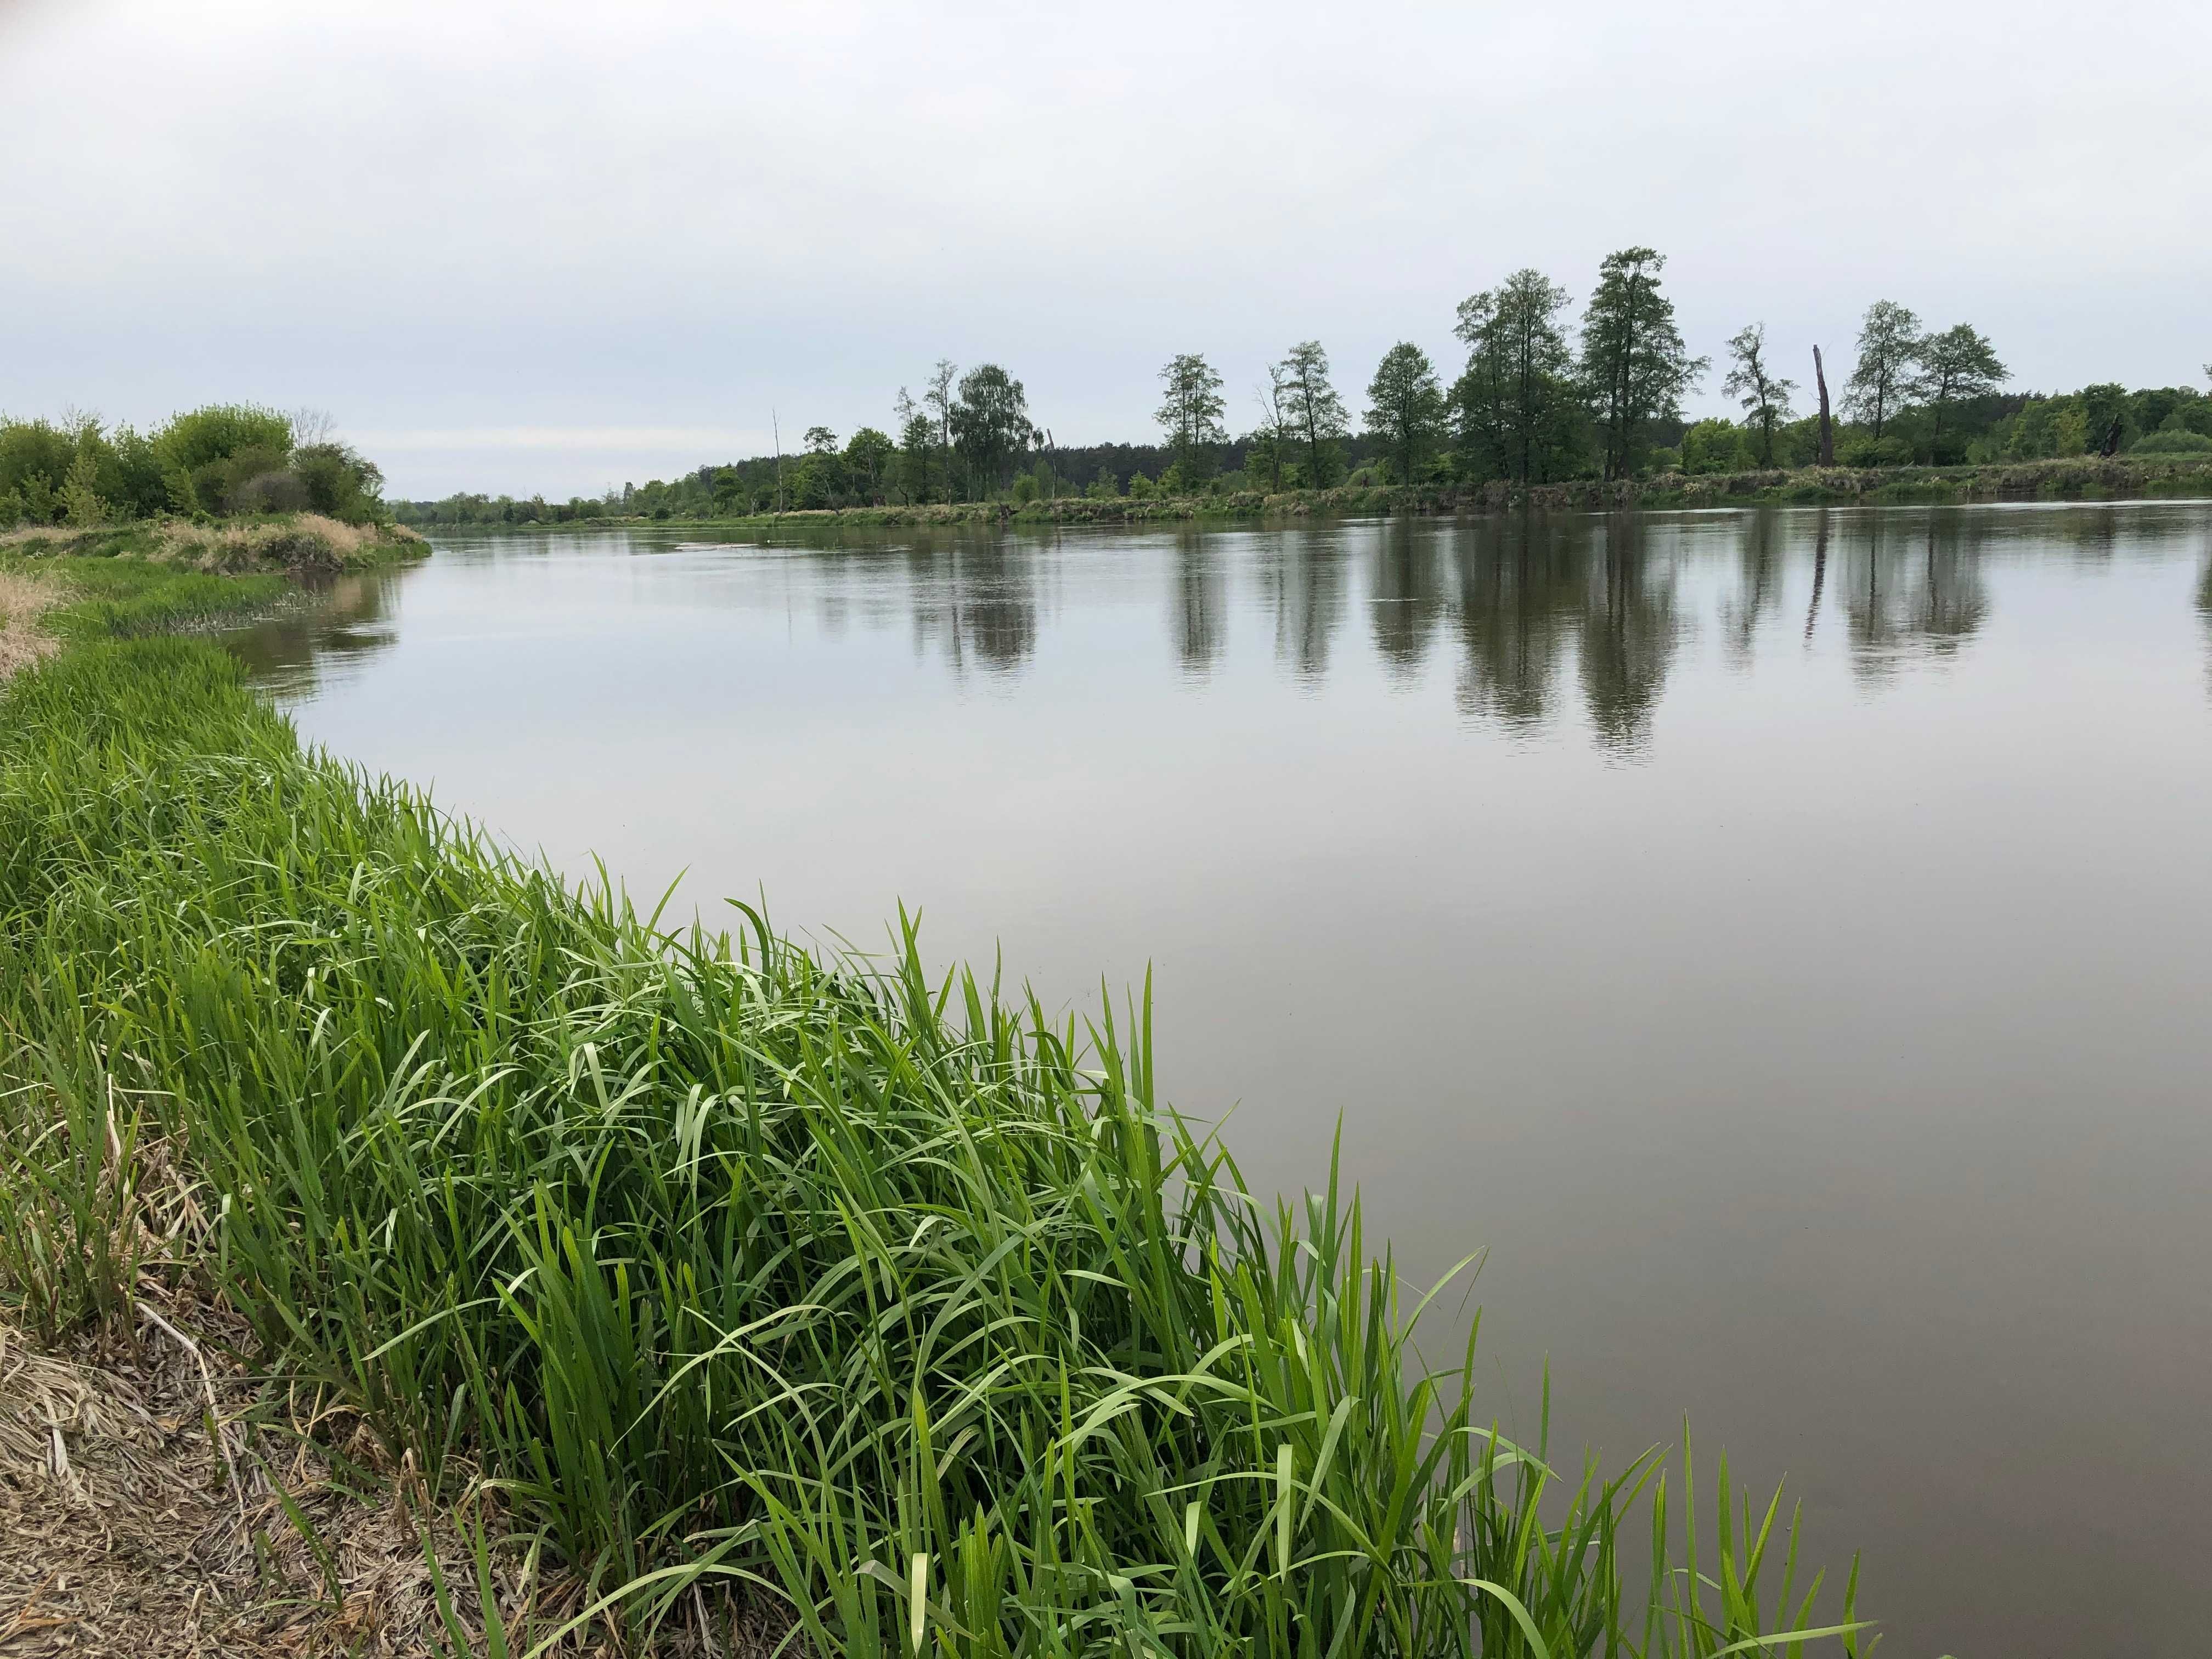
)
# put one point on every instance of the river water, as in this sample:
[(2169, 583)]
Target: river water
[(1782, 939)]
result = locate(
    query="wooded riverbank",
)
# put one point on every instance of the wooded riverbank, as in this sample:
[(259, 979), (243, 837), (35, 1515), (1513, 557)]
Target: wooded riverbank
[(2082, 479)]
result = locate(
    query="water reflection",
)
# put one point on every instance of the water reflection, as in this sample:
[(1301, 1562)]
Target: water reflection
[(1302, 573), (974, 600), (1201, 607), (339, 624), (1629, 632), (1516, 586), (1406, 597), (1549, 618), (1913, 589), (2205, 608)]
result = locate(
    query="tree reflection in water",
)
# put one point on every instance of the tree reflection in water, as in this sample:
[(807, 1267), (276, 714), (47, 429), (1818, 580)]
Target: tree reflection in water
[(332, 623), (1201, 607), (1911, 588)]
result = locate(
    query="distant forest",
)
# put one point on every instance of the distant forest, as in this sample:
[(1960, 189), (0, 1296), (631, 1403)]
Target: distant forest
[(1541, 396)]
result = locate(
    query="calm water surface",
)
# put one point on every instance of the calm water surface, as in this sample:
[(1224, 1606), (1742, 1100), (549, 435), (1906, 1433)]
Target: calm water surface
[(1782, 938)]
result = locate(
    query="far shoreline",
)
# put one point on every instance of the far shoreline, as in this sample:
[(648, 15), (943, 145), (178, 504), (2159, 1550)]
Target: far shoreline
[(2074, 479)]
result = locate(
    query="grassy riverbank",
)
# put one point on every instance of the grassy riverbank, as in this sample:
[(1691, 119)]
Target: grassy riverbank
[(887, 1303)]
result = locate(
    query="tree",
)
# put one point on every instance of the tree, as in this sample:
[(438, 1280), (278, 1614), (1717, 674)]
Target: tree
[(1312, 410), (1889, 345), (1264, 450), (82, 506), (1190, 413), (990, 424), (821, 440), (1634, 362), (1406, 406), (868, 463), (1764, 398), (914, 468), (1958, 363), (937, 401), (1516, 402)]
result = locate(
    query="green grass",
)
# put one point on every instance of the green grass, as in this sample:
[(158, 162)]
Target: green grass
[(887, 1296)]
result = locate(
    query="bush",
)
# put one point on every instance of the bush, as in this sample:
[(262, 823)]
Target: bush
[(221, 431), (1861, 450), (2170, 443), (1715, 445)]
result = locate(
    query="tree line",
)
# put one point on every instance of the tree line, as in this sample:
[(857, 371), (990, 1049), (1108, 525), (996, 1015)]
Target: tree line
[(222, 459), (1541, 396)]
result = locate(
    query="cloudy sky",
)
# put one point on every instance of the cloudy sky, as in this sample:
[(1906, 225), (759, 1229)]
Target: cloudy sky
[(553, 246)]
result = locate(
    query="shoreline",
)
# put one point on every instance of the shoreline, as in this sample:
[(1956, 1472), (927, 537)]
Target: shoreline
[(2076, 479)]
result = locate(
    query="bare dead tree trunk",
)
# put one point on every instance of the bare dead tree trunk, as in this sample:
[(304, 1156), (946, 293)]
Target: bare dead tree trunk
[(1827, 427)]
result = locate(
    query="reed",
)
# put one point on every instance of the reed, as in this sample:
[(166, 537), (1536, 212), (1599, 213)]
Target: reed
[(886, 1295)]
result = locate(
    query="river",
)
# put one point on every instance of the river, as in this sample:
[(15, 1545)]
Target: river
[(1782, 939)]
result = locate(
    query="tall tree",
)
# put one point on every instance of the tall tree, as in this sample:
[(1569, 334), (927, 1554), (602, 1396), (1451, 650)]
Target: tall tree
[(1958, 363), (1634, 362), (1190, 411), (1265, 450), (1406, 406), (1313, 410), (937, 401), (1889, 346), (1763, 396), (990, 424), (1516, 402)]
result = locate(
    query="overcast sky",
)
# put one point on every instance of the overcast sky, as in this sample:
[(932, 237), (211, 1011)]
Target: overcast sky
[(553, 246)]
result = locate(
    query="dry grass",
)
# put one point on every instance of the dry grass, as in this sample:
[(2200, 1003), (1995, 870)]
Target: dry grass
[(148, 1492), (301, 543), (23, 599)]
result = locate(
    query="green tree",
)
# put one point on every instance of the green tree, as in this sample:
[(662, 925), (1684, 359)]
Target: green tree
[(81, 506), (1956, 364), (1518, 412), (222, 432), (1634, 362), (917, 438), (1405, 407), (990, 425), (1763, 395), (337, 480), (868, 464), (1889, 347), (1714, 446), (1313, 410), (1190, 411)]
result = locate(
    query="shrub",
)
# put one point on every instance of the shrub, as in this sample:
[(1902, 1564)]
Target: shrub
[(221, 431), (1715, 445), (2170, 442), (1862, 450)]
